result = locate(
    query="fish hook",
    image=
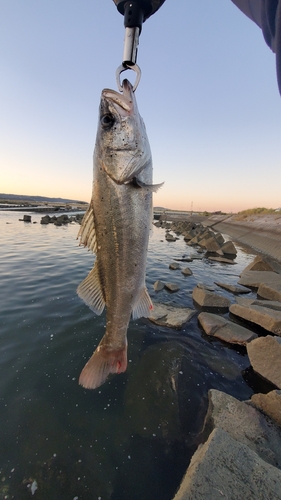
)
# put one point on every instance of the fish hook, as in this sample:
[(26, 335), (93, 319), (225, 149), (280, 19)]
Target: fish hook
[(122, 68)]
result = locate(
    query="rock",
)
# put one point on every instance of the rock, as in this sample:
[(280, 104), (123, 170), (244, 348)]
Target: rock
[(212, 245), (271, 304), (172, 287), (187, 272), (223, 468), (193, 241), (45, 219), (265, 357), (209, 300), (27, 218), (170, 316), (170, 237), (236, 289), (220, 239), (270, 404), (244, 424), (195, 256), (270, 292), (263, 263), (187, 236), (158, 286), (184, 259), (228, 248), (222, 259), (174, 266), (206, 287), (254, 279), (267, 318), (225, 330)]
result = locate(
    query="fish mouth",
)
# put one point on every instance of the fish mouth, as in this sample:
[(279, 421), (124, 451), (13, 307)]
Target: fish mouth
[(123, 103)]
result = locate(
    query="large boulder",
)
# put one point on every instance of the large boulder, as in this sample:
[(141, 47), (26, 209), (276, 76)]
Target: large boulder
[(223, 329), (267, 318), (270, 404), (224, 468), (209, 300), (265, 357), (270, 292), (170, 316)]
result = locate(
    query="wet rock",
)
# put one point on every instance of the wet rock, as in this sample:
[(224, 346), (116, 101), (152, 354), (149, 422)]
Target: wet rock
[(224, 260), (228, 248), (187, 236), (224, 329), (170, 316), (174, 266), (236, 289), (195, 256), (224, 468), (210, 288), (158, 286), (172, 287), (193, 241), (187, 272), (270, 292), (270, 404), (220, 239), (265, 357), (244, 424), (210, 300), (254, 279), (184, 259), (170, 237), (45, 219), (267, 318)]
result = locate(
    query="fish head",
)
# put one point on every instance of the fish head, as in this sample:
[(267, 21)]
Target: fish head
[(122, 147)]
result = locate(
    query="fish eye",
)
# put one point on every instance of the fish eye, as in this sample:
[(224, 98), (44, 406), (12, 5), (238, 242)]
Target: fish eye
[(107, 121)]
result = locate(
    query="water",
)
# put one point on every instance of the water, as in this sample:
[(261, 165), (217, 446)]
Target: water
[(134, 436)]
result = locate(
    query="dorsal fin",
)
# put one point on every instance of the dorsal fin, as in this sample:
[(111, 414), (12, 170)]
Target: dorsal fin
[(87, 232), (91, 292)]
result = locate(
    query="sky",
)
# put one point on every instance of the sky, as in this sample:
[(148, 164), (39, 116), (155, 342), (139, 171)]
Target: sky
[(208, 96)]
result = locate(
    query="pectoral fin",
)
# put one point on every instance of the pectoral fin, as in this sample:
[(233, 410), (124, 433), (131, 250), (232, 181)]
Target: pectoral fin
[(87, 232), (151, 187), (143, 307), (91, 292)]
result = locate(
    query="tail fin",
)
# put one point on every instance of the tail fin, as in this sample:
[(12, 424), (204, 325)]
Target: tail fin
[(103, 362)]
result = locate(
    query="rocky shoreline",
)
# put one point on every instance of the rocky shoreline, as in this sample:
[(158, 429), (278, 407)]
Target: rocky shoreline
[(240, 451)]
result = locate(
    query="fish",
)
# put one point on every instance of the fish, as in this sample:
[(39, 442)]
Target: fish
[(116, 228)]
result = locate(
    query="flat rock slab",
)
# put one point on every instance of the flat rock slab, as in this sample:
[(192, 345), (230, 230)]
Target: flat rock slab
[(236, 289), (172, 287), (271, 304), (265, 357), (270, 292), (223, 260), (222, 468), (244, 424), (254, 279), (270, 404), (210, 300), (174, 266), (267, 318), (172, 317), (225, 330)]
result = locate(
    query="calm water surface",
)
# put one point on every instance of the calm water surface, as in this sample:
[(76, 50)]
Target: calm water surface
[(133, 437)]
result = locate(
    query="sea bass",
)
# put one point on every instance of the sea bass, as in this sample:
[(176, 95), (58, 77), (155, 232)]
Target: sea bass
[(116, 228)]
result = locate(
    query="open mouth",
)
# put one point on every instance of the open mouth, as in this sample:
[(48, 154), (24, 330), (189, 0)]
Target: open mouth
[(123, 101)]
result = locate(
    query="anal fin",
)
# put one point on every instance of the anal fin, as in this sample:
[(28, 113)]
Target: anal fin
[(143, 307), (91, 292)]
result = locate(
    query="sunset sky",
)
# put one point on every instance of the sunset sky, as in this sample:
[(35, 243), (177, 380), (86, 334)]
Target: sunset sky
[(208, 96)]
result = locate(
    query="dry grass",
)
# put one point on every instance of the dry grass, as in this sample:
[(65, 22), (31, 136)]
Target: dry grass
[(259, 211)]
